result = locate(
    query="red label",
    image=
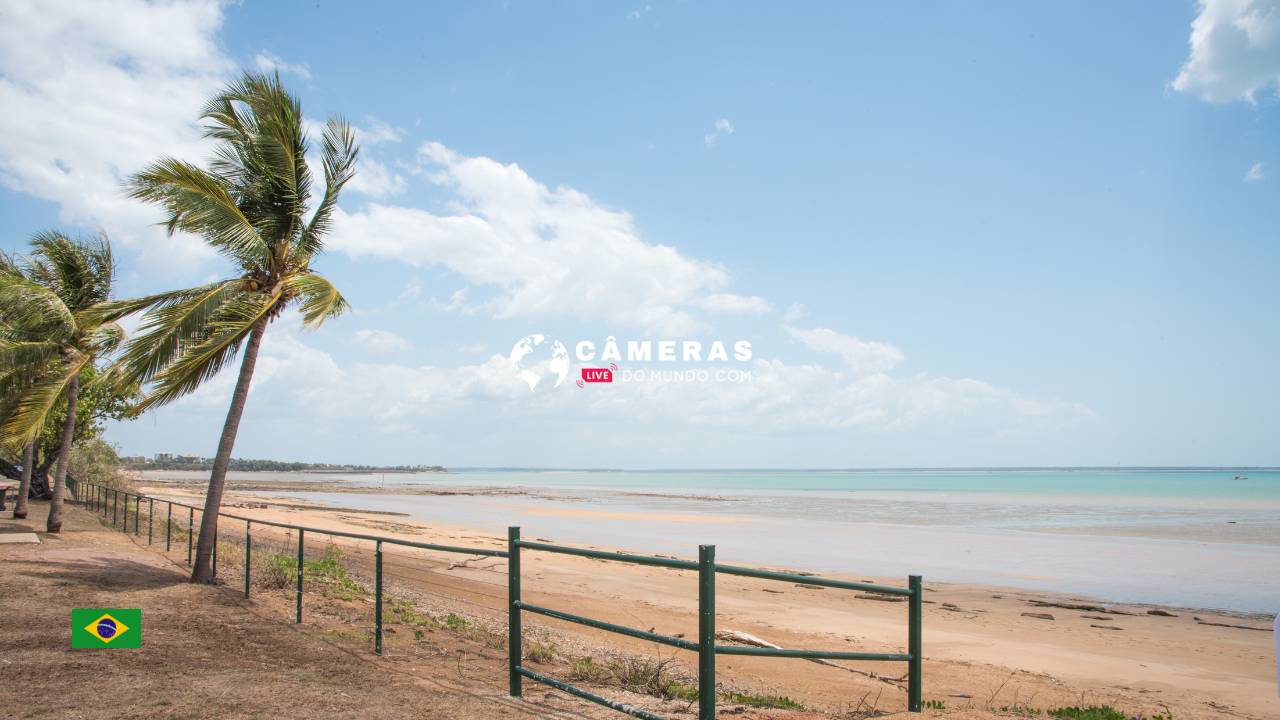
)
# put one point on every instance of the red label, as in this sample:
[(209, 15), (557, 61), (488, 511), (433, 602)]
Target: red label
[(597, 375)]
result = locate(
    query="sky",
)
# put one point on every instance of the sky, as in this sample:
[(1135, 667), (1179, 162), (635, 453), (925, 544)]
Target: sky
[(1011, 235)]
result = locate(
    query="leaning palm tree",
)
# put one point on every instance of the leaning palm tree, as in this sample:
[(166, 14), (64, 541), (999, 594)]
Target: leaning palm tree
[(251, 206), (52, 329)]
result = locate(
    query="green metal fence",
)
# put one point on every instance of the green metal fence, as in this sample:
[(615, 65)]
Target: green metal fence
[(113, 503)]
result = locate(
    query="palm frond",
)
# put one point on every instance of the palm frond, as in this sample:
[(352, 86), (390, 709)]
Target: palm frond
[(34, 310), (171, 325), (318, 299), (105, 339), (339, 153), (228, 329), (29, 413), (115, 310), (17, 356), (199, 202)]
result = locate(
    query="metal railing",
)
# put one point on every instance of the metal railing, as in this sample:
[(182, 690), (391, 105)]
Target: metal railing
[(107, 501)]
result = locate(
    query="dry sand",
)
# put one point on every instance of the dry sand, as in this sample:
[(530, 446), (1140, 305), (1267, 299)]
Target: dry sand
[(982, 649)]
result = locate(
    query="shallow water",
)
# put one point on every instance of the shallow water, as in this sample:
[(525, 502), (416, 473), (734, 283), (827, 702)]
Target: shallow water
[(1195, 538)]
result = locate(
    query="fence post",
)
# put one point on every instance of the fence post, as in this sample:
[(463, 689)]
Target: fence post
[(151, 517), (514, 649), (137, 515), (298, 600), (168, 528), (115, 507), (706, 632), (191, 531), (377, 598), (248, 555), (915, 639), (124, 526)]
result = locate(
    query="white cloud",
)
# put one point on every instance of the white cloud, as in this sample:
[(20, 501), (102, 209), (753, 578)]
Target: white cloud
[(721, 127), (862, 356), (731, 304), (374, 132), (94, 91), (372, 178), (544, 252), (297, 380), (381, 341), (1255, 173), (795, 311), (1235, 50), (270, 62), (640, 11)]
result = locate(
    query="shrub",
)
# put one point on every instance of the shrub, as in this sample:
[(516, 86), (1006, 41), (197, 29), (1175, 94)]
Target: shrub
[(540, 653)]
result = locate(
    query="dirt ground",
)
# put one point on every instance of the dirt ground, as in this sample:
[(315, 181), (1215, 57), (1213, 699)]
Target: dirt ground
[(209, 653)]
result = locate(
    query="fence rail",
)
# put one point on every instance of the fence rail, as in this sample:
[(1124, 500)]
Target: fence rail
[(107, 502)]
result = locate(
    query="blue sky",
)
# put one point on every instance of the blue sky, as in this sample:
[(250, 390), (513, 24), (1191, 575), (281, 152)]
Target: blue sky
[(1016, 235)]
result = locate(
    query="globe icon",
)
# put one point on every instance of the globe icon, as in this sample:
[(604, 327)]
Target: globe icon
[(106, 628), (539, 358)]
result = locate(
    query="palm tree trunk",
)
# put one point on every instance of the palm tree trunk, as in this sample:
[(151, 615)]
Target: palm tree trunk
[(64, 455), (24, 486), (203, 570)]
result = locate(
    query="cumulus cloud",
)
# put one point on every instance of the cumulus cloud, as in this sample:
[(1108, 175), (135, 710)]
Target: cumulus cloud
[(381, 341), (297, 380), (1235, 50), (270, 62), (544, 252), (721, 127), (95, 91), (862, 356), (1255, 173), (730, 304), (372, 178)]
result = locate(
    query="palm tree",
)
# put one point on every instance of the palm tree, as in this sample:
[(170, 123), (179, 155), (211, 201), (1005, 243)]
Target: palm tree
[(51, 330), (251, 206)]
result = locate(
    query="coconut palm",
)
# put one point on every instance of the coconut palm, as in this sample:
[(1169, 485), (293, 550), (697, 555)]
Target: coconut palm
[(250, 205), (51, 330)]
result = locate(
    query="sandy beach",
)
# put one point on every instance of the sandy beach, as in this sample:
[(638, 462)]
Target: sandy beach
[(986, 646)]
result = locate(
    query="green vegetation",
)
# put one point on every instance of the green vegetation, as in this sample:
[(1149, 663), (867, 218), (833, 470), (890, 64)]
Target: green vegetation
[(95, 461), (780, 702), (588, 670), (53, 329), (540, 653), (1101, 712), (280, 570)]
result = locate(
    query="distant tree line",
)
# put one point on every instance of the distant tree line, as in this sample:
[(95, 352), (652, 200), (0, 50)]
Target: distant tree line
[(250, 465)]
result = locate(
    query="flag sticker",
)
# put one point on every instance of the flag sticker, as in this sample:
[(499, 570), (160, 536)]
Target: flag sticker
[(106, 628)]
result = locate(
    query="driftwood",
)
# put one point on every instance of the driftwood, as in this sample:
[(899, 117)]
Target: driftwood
[(742, 638)]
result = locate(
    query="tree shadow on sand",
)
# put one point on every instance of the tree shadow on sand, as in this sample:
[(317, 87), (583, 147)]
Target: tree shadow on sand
[(103, 573)]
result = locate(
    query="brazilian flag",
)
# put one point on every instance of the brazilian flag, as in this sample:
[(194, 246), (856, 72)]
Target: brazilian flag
[(106, 628)]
